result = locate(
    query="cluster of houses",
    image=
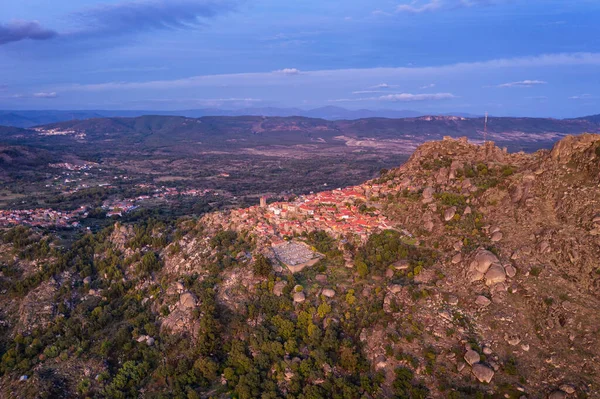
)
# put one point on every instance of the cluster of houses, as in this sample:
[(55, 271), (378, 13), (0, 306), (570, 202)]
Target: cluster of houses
[(42, 217), (73, 167), (339, 212)]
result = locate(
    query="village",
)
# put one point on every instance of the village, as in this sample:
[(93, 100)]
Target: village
[(340, 213), (46, 217), (43, 217)]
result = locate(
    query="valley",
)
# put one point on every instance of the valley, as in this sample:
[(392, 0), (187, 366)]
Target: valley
[(468, 272)]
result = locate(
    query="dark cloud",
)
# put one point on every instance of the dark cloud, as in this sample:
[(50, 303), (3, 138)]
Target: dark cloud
[(140, 16), (15, 31)]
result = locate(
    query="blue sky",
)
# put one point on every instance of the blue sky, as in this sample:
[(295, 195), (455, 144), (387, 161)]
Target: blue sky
[(508, 57)]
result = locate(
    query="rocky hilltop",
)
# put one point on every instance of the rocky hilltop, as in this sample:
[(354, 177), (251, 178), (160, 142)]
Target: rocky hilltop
[(468, 272)]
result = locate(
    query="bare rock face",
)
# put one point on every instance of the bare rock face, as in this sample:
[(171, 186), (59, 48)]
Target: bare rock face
[(472, 357), (563, 151), (483, 373), (188, 300), (37, 309)]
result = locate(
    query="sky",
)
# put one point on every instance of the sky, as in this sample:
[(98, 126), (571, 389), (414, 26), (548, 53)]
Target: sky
[(506, 57)]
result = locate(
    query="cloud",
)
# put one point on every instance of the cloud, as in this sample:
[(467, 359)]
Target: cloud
[(402, 97), (288, 71), (367, 91), (419, 7), (45, 95), (417, 97), (523, 83), (35, 95), (18, 30), (429, 86), (343, 76), (124, 18), (586, 96), (147, 15), (383, 86)]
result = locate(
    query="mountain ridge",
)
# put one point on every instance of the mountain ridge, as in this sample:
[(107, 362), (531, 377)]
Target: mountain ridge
[(30, 118)]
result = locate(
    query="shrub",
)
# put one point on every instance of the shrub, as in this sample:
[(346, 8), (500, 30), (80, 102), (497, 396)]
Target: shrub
[(262, 266), (535, 271)]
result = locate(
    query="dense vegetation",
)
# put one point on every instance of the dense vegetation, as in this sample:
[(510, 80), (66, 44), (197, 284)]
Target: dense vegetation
[(273, 348)]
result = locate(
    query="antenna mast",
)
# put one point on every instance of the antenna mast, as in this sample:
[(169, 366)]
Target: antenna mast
[(485, 128)]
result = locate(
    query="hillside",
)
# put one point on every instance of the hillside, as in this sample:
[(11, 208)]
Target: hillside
[(592, 118), (26, 119), (234, 133), (468, 272)]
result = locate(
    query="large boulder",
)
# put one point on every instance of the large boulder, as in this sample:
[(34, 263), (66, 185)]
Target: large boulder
[(497, 236), (483, 260), (472, 357), (482, 301), (495, 274), (558, 395), (483, 373), (299, 297), (449, 213), (456, 258), (328, 292), (188, 300)]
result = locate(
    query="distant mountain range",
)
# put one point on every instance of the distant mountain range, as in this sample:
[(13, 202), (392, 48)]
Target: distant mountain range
[(241, 132), (27, 119)]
